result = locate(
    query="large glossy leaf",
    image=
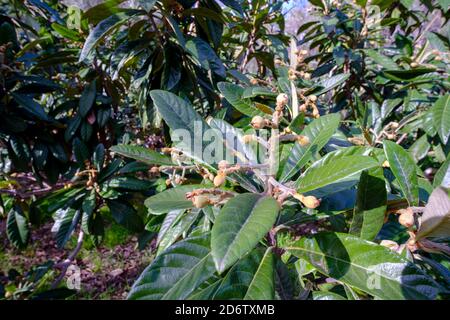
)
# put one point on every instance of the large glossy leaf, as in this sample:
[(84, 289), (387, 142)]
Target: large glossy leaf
[(189, 125), (205, 56), (442, 176), (365, 265), (129, 183), (177, 272), (404, 170), (368, 215), (66, 221), (441, 116), (262, 286), (102, 10), (31, 106), (142, 154), (319, 132), (255, 91), (252, 278), (419, 149), (88, 206), (176, 230), (104, 28), (435, 221), (17, 227), (171, 199), (381, 59), (236, 151), (87, 98), (406, 75), (169, 220), (325, 173), (124, 214), (331, 83), (233, 94), (241, 224)]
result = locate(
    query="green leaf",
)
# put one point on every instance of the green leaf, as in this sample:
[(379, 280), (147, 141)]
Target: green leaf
[(404, 169), (241, 224), (322, 174), (142, 154), (181, 116), (419, 149), (205, 56), (177, 272), (66, 221), (331, 83), (435, 220), (252, 278), (381, 59), (87, 98), (233, 94), (17, 228), (129, 183), (104, 28), (441, 116), (59, 152), (98, 158), (368, 215), (125, 215), (407, 75), (109, 170), (102, 10), (171, 199), (72, 128), (176, 29), (365, 265), (326, 295), (170, 219), (319, 131), (256, 91), (80, 151), (262, 286), (31, 106), (88, 206), (442, 176), (66, 33), (180, 226)]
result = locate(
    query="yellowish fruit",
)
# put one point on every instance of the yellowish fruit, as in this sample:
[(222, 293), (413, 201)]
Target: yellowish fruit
[(311, 202), (312, 98), (303, 140), (257, 122), (406, 219), (200, 201), (282, 99), (414, 64), (394, 125), (223, 164), (219, 179), (154, 170)]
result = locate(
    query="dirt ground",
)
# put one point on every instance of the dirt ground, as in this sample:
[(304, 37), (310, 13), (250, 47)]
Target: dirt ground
[(107, 272)]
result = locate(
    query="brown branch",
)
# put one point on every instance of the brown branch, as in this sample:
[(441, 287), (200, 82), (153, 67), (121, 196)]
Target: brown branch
[(66, 263)]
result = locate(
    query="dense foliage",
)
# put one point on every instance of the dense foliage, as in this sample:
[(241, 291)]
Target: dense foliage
[(261, 165)]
